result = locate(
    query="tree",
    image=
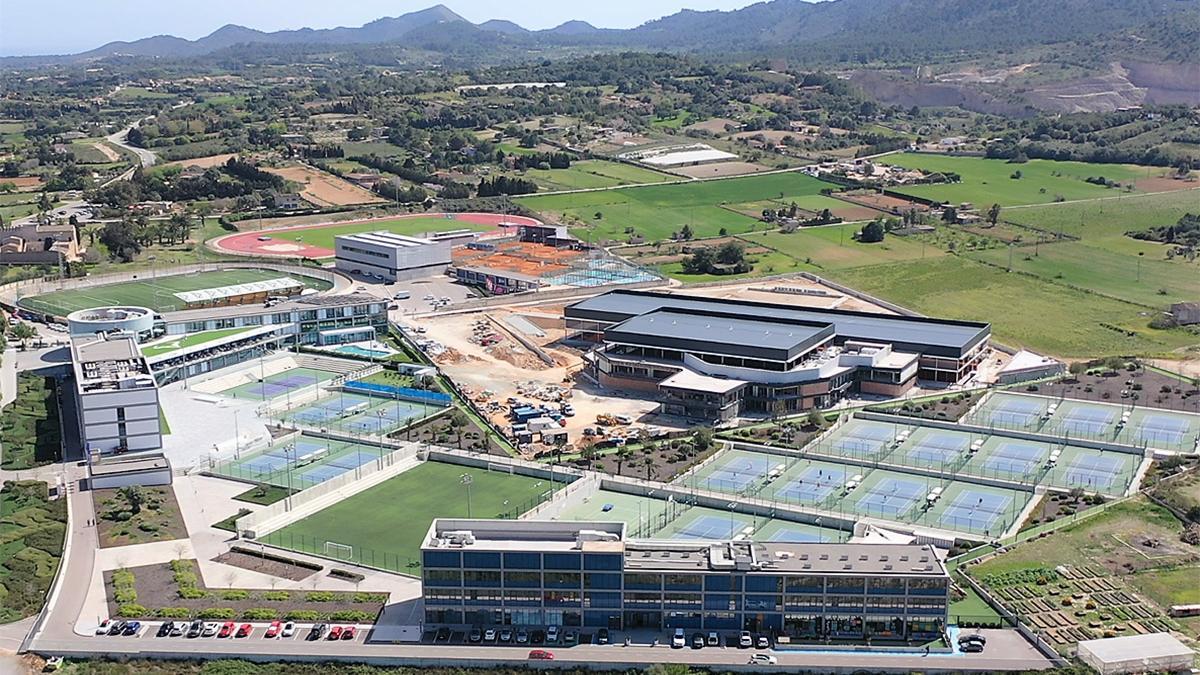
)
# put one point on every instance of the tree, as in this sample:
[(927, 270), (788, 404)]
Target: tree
[(993, 213), (872, 232), (686, 233), (121, 240), (135, 497), (731, 253), (702, 438), (23, 332), (816, 418), (588, 452), (624, 453), (650, 464), (950, 214), (458, 421)]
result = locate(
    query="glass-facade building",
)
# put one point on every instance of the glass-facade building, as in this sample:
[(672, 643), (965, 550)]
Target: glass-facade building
[(558, 573)]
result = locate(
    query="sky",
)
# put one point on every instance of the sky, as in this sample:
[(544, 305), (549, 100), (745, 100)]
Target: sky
[(29, 27)]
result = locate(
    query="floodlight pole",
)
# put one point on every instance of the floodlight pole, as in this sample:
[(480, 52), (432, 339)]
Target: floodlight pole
[(466, 480)]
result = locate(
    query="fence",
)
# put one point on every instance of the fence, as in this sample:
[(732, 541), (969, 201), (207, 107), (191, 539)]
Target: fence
[(407, 393)]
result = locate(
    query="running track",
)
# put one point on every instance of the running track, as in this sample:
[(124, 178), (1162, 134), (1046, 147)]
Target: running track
[(247, 243)]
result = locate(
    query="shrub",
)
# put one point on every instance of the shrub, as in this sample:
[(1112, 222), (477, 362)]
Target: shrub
[(320, 596), (125, 595), (302, 615), (122, 578), (353, 615), (277, 596), (180, 566), (192, 593), (371, 597), (217, 613), (173, 613), (132, 611), (234, 595), (148, 527), (260, 614)]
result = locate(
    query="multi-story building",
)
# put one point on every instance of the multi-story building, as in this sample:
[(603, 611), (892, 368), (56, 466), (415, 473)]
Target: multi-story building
[(309, 319), (539, 573), (715, 359), (393, 257), (116, 397)]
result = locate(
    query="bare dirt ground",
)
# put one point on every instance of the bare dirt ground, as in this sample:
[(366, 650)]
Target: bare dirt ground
[(25, 183), (325, 189), (204, 162), (719, 169), (1189, 367), (1166, 183), (882, 202), (714, 126), (107, 151)]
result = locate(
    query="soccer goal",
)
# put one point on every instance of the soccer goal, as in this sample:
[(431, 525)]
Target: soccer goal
[(500, 468), (339, 551)]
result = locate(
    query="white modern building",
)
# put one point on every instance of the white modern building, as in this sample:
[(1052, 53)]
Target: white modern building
[(392, 257), (116, 396), (1149, 653), (138, 321)]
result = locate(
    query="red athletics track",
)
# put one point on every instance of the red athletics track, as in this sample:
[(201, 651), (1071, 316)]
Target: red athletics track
[(248, 243)]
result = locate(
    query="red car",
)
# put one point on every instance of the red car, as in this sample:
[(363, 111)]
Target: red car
[(335, 633), (348, 633), (244, 630), (226, 630), (272, 630), (541, 655)]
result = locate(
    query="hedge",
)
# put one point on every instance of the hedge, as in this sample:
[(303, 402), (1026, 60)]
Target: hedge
[(173, 613), (351, 615), (320, 596), (302, 615), (132, 611), (260, 614)]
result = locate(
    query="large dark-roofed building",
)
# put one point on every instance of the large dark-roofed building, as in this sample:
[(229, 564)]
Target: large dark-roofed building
[(713, 358)]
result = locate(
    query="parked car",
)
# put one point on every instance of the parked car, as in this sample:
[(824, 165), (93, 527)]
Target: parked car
[(476, 635), (165, 629), (348, 633), (102, 629), (552, 634), (522, 636), (489, 635), (505, 635), (442, 635), (195, 629), (970, 646), (116, 627), (698, 641), (537, 637), (571, 637), (177, 628), (745, 640), (244, 630), (335, 633), (763, 660), (602, 636), (272, 630), (678, 640), (132, 628), (210, 629), (973, 637), (762, 642), (289, 629), (317, 632), (541, 655), (226, 629), (714, 640)]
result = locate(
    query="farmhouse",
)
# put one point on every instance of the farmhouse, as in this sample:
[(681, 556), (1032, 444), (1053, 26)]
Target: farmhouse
[(716, 359)]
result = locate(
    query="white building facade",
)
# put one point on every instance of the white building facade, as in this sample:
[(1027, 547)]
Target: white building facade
[(391, 257)]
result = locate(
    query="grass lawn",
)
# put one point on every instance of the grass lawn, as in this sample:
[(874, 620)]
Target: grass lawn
[(29, 431), (765, 264), (157, 518), (32, 529), (264, 494), (673, 122), (191, 340), (988, 181), (390, 378), (157, 293), (656, 211), (972, 609), (594, 173), (385, 523), (1177, 586), (1103, 223), (834, 247), (1023, 311), (323, 236), (230, 524)]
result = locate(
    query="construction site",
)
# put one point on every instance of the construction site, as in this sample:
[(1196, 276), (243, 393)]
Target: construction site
[(519, 265)]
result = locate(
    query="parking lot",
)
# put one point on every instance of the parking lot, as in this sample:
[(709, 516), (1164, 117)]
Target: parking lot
[(199, 629)]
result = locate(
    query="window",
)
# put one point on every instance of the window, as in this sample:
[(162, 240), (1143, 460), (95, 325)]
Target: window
[(643, 600), (522, 579), (522, 597), (561, 598), (195, 326), (643, 581), (845, 585), (252, 320), (682, 600), (722, 601), (522, 561), (764, 584), (722, 582), (491, 579), (763, 603), (489, 561), (885, 586), (601, 562), (805, 584), (683, 582), (560, 561), (483, 596), (602, 581), (926, 586), (443, 578), (442, 559), (561, 580)]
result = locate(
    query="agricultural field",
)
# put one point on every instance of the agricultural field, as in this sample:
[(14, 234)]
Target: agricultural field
[(1042, 181), (326, 189), (765, 264), (157, 294), (1023, 311), (1103, 223), (834, 247), (593, 173), (657, 211), (384, 524)]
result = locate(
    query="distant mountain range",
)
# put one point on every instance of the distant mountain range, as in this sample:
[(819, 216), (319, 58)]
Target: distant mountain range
[(847, 30)]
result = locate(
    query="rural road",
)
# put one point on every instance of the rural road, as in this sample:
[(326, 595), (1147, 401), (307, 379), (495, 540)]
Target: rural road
[(146, 157)]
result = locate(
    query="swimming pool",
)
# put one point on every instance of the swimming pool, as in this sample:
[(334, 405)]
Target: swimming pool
[(355, 350)]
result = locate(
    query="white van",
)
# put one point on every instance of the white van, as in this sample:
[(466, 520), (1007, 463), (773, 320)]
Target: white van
[(402, 295)]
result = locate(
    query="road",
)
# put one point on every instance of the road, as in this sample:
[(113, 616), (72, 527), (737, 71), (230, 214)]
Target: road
[(146, 157)]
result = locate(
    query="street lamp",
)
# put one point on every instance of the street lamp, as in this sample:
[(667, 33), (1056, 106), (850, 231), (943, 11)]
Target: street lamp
[(466, 479)]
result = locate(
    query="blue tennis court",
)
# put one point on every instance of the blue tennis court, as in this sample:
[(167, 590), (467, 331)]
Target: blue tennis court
[(977, 511), (1014, 412), (862, 439), (791, 535), (813, 485), (1093, 471), (938, 448), (1162, 429), (739, 473), (1084, 419), (319, 473), (1014, 457), (265, 463), (891, 497), (709, 527)]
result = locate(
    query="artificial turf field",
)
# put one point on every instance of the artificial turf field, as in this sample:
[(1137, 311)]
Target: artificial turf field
[(385, 523), (989, 181), (155, 293), (323, 236), (656, 211)]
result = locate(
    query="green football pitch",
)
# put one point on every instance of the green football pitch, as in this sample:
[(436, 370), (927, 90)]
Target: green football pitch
[(156, 293), (383, 525)]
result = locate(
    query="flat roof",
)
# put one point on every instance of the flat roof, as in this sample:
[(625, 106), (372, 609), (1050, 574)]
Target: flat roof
[(123, 466), (383, 238), (692, 381), (1136, 648), (946, 334), (735, 334), (235, 290), (301, 303)]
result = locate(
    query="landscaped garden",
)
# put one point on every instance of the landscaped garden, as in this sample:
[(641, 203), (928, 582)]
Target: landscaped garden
[(137, 515), (29, 433), (32, 529)]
